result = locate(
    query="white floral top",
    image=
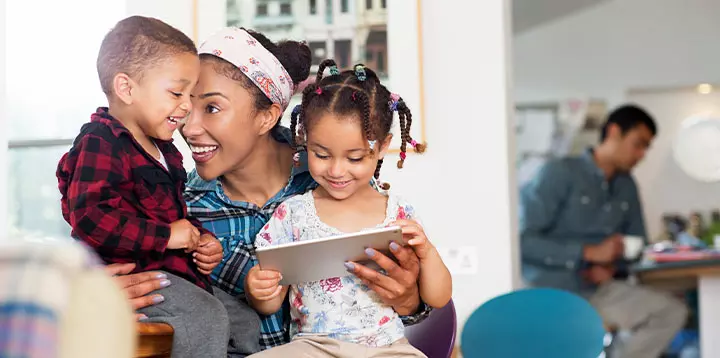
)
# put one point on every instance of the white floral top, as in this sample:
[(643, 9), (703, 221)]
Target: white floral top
[(341, 307)]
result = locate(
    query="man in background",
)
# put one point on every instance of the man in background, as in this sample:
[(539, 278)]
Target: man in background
[(573, 217)]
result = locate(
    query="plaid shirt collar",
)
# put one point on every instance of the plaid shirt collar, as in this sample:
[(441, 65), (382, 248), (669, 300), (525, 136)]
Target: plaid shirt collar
[(280, 134), (172, 156)]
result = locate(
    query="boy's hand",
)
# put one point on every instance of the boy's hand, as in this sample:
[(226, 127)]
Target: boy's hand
[(415, 236), (263, 285), (183, 235), (208, 254)]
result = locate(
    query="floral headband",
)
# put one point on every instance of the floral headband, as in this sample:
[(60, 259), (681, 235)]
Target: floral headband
[(238, 47)]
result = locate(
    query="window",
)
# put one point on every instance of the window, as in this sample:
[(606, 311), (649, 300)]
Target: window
[(381, 62), (317, 48), (313, 7), (383, 4), (329, 11), (342, 53), (368, 4), (262, 10), (286, 9), (344, 6), (38, 135)]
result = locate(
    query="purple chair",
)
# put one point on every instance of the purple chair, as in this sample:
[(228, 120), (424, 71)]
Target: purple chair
[(435, 336)]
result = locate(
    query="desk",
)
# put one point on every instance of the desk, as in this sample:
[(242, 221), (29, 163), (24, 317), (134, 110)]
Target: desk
[(705, 275)]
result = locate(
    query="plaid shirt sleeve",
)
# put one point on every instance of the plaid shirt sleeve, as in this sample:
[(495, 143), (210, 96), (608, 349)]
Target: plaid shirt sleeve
[(203, 231), (97, 211)]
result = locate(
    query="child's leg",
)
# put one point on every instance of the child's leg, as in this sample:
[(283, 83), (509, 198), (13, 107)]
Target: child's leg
[(244, 325), (314, 346), (199, 319), (399, 348)]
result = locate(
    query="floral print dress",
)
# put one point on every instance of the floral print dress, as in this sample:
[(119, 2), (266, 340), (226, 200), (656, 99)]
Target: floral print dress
[(342, 308)]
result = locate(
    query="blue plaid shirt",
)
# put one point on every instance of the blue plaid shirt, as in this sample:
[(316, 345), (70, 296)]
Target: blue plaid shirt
[(236, 224)]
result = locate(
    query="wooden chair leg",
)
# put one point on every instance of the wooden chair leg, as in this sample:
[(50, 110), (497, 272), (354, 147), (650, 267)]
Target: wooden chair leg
[(154, 340)]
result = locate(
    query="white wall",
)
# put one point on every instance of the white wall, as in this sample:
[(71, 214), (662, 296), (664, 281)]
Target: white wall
[(464, 185), (3, 132), (663, 185), (616, 45)]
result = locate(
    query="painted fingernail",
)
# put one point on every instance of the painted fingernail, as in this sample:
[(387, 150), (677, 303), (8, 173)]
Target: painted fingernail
[(350, 266), (394, 246), (142, 318), (158, 298), (160, 276), (370, 252), (164, 283)]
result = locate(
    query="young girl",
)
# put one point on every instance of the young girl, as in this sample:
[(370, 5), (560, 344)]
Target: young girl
[(344, 123)]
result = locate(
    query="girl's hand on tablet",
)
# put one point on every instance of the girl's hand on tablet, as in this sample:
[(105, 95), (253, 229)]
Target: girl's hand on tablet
[(263, 285), (414, 235)]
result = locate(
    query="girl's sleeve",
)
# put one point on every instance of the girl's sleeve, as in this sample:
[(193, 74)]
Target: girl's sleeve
[(278, 230)]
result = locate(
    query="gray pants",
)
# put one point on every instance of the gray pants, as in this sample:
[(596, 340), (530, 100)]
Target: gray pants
[(244, 325), (199, 319), (652, 317)]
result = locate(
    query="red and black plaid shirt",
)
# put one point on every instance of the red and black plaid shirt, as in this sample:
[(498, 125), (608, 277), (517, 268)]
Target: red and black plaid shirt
[(121, 201)]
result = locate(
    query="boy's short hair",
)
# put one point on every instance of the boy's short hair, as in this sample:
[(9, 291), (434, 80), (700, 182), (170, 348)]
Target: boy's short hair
[(136, 44)]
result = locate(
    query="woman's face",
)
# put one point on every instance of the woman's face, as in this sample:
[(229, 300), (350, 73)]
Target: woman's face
[(222, 129)]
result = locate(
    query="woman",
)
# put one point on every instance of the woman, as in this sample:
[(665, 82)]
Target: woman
[(245, 169)]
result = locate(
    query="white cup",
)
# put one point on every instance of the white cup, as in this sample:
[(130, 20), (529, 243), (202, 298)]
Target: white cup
[(633, 246)]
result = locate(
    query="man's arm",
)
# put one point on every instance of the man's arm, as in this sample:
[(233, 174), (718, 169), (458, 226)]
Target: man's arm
[(540, 203)]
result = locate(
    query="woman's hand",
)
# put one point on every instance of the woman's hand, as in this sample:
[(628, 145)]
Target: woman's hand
[(399, 288), (138, 286), (208, 254)]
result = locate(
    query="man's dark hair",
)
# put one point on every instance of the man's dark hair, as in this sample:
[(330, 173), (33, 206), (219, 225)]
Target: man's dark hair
[(626, 118), (136, 44)]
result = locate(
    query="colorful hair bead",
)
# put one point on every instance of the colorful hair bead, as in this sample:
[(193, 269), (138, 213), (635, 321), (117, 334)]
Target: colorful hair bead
[(334, 70), (360, 72)]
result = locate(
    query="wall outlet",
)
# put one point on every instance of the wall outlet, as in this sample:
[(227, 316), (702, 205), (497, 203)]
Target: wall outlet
[(460, 260)]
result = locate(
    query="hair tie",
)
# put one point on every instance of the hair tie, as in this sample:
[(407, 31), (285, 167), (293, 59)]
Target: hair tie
[(354, 97), (393, 103), (296, 110), (334, 70), (372, 144), (318, 90), (360, 72), (413, 143)]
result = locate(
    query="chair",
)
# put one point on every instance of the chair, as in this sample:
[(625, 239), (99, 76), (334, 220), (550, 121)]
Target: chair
[(435, 336), (536, 322), (154, 340)]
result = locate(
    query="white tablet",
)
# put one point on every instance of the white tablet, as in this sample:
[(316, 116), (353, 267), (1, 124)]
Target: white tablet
[(313, 260)]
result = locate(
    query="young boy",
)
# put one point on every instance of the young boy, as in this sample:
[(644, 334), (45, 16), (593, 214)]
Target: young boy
[(122, 180)]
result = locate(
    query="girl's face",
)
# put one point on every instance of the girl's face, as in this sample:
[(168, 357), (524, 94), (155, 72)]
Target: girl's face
[(224, 127), (339, 156)]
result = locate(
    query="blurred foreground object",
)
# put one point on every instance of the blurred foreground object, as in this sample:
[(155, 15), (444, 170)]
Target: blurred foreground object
[(57, 301)]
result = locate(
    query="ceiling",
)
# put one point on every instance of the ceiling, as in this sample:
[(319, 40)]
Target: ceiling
[(528, 14)]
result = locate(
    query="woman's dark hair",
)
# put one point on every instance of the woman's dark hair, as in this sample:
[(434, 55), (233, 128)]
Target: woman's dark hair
[(353, 92), (294, 56)]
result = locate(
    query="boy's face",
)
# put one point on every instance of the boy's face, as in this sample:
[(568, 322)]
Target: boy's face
[(162, 97)]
